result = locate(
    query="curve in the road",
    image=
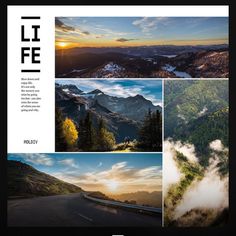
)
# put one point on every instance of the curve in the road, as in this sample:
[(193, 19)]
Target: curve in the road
[(72, 210)]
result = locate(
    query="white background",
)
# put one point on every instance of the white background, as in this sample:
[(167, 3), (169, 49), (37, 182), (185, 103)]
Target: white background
[(41, 126)]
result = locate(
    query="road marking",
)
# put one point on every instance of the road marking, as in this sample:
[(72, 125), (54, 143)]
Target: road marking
[(85, 217)]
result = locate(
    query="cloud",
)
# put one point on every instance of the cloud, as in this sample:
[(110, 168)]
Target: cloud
[(187, 149), (126, 176), (172, 175), (209, 193), (98, 36), (71, 32), (151, 97), (203, 111), (100, 164), (37, 159), (122, 172), (111, 88), (148, 24), (181, 116), (109, 32), (216, 145), (86, 32), (122, 40), (149, 172), (68, 162), (118, 90), (61, 26)]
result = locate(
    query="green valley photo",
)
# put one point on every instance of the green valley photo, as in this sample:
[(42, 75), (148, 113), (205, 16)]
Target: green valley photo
[(196, 153)]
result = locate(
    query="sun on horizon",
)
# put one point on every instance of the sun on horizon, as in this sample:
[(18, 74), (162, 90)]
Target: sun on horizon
[(112, 185), (73, 32)]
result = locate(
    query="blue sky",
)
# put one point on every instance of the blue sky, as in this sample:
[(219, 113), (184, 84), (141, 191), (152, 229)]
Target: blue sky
[(109, 173), (150, 89), (135, 31)]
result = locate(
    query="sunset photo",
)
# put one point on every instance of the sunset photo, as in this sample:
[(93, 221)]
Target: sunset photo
[(115, 47), (109, 189)]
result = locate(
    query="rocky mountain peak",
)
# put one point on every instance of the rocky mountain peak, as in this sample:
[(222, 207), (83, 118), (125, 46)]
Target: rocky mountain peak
[(96, 91)]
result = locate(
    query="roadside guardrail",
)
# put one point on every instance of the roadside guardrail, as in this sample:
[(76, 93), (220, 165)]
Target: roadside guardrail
[(140, 208)]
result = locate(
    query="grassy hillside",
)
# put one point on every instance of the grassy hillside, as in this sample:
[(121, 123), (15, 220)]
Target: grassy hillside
[(25, 181)]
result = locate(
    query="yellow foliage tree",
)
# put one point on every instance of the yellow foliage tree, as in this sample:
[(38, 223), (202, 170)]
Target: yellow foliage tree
[(69, 131)]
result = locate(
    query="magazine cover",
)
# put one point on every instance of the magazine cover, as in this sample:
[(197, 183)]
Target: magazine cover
[(117, 116)]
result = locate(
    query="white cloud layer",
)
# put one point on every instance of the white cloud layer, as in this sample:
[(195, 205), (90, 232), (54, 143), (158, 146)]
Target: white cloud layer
[(172, 174), (148, 24), (117, 90), (37, 159), (216, 145), (188, 150), (209, 193), (126, 176), (68, 162)]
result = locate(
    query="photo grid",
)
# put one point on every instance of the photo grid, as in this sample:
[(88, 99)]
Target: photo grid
[(141, 127)]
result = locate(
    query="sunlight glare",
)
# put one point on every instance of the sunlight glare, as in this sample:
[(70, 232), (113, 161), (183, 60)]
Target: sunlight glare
[(112, 185), (62, 44)]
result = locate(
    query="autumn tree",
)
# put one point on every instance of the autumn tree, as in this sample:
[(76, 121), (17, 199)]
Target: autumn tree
[(70, 132)]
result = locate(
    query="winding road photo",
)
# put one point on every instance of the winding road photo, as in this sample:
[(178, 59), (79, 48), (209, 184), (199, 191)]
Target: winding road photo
[(73, 210)]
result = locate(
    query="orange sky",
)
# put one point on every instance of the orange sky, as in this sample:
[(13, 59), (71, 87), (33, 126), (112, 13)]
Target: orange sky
[(66, 44)]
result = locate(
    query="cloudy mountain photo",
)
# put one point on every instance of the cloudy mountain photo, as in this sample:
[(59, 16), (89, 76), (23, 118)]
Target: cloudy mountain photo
[(196, 153), (102, 115)]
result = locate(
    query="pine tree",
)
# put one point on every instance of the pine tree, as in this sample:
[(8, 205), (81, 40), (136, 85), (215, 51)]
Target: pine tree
[(150, 133), (145, 131), (105, 139), (60, 141), (158, 130), (87, 134), (82, 135)]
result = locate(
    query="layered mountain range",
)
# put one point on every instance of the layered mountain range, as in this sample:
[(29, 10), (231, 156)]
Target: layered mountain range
[(148, 61), (142, 197), (122, 115)]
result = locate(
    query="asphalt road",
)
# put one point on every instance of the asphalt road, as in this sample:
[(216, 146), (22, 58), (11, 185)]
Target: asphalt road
[(72, 210)]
